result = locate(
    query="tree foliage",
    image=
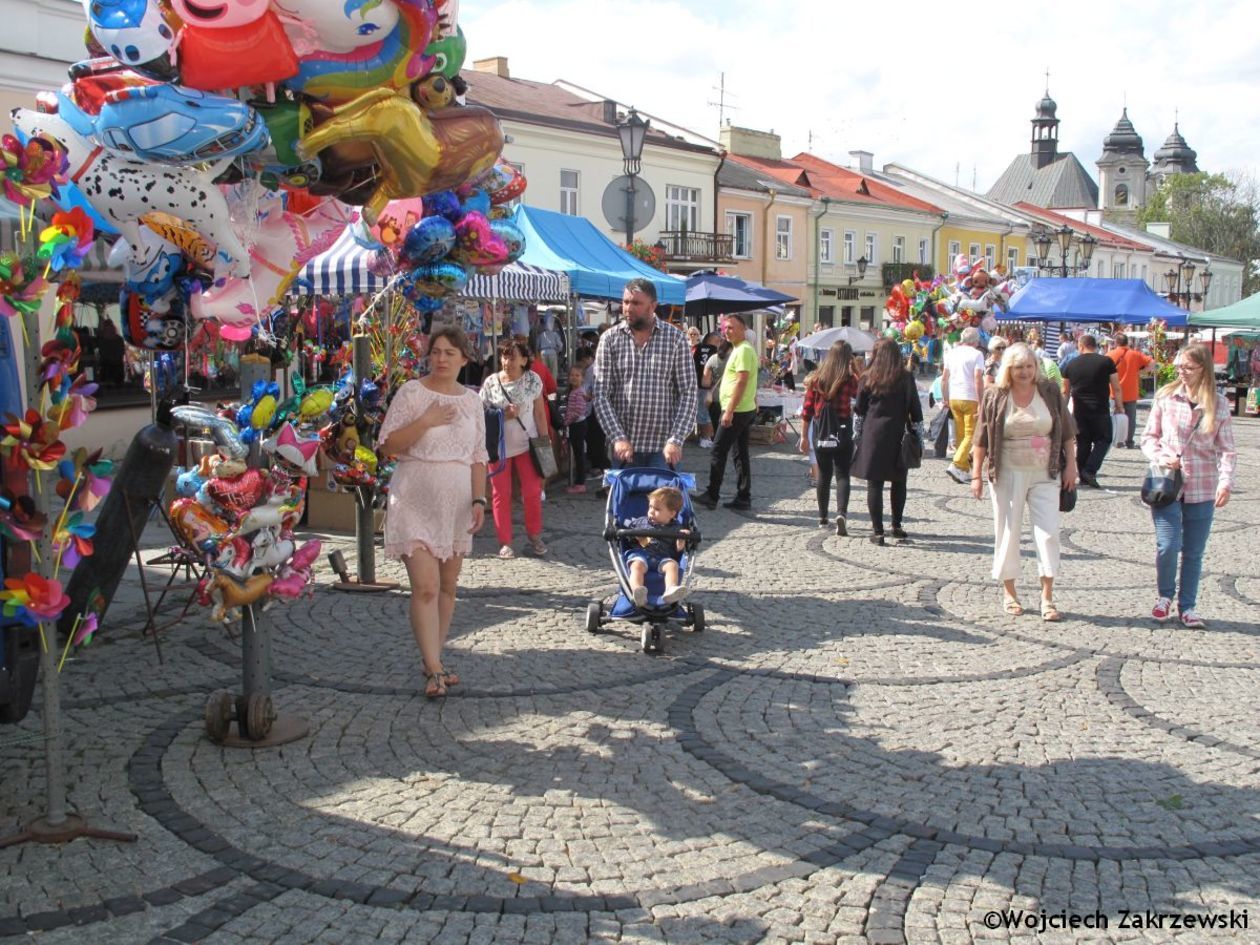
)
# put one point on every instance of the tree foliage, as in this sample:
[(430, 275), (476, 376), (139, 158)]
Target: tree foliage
[(1214, 212)]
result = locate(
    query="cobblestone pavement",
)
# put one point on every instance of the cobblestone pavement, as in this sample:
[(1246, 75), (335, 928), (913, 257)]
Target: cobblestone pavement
[(861, 747)]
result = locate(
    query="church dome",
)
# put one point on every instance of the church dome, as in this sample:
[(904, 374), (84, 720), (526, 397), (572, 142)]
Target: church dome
[(1046, 107), (1124, 139), (1175, 151)]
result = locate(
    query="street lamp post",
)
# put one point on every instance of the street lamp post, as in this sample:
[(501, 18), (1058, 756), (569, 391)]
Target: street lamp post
[(861, 264), (632, 131), (1043, 238), (1183, 275)]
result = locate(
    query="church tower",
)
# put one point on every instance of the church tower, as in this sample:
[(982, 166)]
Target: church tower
[(1175, 157), (1122, 169), (1045, 133)]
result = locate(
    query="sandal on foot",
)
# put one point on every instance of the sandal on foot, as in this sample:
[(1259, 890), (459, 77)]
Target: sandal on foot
[(450, 677), (1013, 607), (1050, 613), (507, 552), (434, 686)]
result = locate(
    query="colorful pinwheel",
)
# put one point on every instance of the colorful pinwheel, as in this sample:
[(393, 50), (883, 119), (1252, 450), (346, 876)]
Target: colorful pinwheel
[(33, 599), (66, 243), (67, 294), (92, 475), (20, 520), (33, 442), (86, 630), (31, 170), (19, 294), (73, 540)]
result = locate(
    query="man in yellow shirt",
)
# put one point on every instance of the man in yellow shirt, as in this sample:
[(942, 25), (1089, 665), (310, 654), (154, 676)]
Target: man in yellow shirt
[(738, 396)]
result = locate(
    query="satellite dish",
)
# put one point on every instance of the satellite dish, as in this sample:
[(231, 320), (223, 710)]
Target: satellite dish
[(613, 203)]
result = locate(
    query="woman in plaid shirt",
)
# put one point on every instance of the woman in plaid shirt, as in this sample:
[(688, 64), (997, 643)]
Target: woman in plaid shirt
[(1189, 426)]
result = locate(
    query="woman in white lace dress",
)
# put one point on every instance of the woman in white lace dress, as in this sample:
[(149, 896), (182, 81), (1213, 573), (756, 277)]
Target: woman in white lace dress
[(437, 497)]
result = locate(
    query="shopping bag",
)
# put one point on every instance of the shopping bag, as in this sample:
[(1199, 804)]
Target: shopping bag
[(1119, 428)]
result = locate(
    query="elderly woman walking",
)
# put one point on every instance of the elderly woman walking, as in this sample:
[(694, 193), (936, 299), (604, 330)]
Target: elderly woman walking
[(1189, 428), (1026, 446)]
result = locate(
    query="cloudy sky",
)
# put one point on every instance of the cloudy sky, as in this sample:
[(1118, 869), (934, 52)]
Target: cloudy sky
[(944, 89)]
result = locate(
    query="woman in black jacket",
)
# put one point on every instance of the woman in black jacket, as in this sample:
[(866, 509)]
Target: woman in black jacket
[(887, 406)]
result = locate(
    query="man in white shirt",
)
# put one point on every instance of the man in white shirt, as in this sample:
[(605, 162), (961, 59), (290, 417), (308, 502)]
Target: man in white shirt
[(962, 380)]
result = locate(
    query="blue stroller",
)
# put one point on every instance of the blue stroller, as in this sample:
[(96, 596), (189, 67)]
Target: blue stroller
[(628, 491)]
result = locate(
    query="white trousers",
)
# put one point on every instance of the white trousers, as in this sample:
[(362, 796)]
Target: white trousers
[(1014, 491)]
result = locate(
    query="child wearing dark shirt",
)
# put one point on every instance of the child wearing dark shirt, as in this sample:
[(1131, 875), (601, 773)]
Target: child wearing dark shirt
[(658, 554)]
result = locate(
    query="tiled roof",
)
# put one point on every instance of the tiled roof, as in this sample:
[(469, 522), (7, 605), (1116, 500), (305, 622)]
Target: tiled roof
[(738, 174), (824, 179), (1062, 183), (543, 103), (1105, 237)]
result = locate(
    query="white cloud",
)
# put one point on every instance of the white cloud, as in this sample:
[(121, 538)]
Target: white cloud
[(931, 85)]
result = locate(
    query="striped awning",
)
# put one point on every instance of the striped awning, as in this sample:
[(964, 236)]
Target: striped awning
[(343, 269)]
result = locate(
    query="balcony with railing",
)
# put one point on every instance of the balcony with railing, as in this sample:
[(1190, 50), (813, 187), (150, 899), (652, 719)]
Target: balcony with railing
[(696, 246)]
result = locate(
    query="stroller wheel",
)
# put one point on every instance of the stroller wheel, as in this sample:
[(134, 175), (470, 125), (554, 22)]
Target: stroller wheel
[(697, 617), (594, 611), (645, 638)]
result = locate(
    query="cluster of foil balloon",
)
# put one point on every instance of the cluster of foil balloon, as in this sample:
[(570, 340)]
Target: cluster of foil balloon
[(229, 142), (917, 309)]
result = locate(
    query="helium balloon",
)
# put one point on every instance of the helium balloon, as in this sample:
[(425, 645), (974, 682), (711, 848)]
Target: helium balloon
[(428, 241)]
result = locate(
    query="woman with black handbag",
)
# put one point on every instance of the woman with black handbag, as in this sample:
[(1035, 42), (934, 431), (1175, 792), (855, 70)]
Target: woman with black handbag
[(829, 394), (1189, 429), (1026, 446), (518, 392), (887, 406)]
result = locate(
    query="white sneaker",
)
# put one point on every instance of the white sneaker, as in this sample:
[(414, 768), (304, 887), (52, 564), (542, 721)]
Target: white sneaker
[(957, 473), (705, 444), (674, 594), (639, 596)]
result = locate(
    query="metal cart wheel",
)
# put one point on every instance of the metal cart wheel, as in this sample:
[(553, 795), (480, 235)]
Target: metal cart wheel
[(219, 710), (645, 638), (259, 714), (594, 612), (697, 618)]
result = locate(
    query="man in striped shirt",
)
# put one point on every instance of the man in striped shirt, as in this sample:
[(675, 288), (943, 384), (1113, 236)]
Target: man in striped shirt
[(645, 383)]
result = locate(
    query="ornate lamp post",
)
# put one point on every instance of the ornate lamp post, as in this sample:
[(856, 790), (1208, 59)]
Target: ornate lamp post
[(632, 131), (1183, 275), (1043, 238)]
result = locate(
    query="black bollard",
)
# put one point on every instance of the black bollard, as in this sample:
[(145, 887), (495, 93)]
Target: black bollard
[(138, 485)]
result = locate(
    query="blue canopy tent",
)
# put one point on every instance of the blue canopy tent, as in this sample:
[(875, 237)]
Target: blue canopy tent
[(596, 266), (1130, 301)]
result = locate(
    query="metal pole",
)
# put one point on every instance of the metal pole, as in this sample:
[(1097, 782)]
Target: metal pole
[(255, 629), (54, 760), (630, 211), (364, 520)]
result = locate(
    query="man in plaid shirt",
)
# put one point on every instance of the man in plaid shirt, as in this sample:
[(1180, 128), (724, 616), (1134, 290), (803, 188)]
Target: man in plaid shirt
[(645, 383)]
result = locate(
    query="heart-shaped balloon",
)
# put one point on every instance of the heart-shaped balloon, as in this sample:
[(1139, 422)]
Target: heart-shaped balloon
[(429, 241), (477, 244), (239, 494)]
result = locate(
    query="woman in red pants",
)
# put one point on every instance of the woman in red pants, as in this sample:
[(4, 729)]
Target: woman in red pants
[(518, 392)]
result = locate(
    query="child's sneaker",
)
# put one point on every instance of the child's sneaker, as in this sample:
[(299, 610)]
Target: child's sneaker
[(674, 594), (1192, 620), (1162, 609), (640, 596), (578, 489)]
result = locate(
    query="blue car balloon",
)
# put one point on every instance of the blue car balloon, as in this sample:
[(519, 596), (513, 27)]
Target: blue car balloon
[(170, 124)]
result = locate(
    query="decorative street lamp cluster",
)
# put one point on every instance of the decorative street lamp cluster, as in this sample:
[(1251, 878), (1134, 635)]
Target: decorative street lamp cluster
[(1043, 238), (1183, 274), (632, 131)]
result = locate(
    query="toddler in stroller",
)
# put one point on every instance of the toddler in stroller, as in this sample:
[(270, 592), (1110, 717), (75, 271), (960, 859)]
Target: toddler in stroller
[(652, 537)]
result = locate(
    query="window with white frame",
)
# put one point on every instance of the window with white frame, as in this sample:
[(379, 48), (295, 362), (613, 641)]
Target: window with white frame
[(1117, 270), (990, 255), (955, 248), (569, 193), (850, 247), (826, 241), (739, 227), (973, 253), (923, 252), (782, 237), (871, 259), (899, 249), (1012, 259), (682, 207)]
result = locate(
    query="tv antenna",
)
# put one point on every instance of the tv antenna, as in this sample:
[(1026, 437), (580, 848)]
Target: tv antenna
[(720, 104)]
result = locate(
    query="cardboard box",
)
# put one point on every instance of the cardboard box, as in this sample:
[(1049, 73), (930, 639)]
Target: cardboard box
[(334, 511)]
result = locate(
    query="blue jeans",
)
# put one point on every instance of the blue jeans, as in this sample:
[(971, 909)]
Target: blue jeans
[(642, 458), (1181, 531)]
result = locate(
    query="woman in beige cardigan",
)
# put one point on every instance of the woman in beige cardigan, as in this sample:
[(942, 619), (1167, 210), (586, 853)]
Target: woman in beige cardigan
[(1025, 445)]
